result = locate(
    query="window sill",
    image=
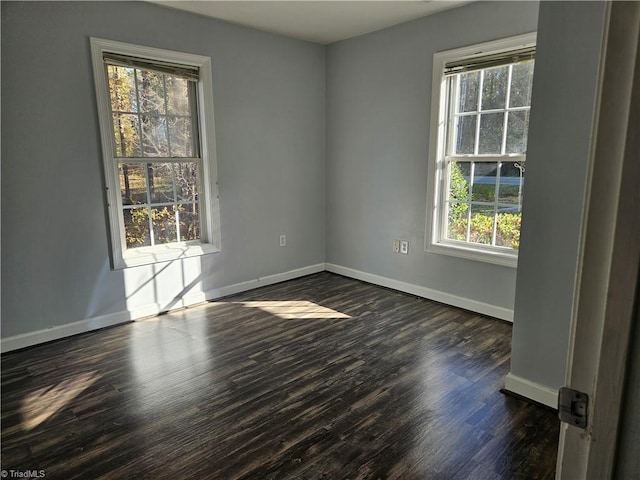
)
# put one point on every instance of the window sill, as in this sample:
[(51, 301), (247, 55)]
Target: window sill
[(477, 254), (135, 257)]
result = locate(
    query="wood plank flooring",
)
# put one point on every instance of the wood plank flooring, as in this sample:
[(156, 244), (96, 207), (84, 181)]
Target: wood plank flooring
[(321, 377)]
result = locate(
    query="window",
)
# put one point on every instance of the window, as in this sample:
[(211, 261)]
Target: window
[(156, 120), (482, 96)]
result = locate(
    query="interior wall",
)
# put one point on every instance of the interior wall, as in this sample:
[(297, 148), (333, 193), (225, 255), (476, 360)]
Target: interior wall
[(570, 36), (378, 111), (269, 97)]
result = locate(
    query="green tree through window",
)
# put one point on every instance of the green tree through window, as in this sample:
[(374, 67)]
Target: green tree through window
[(152, 120)]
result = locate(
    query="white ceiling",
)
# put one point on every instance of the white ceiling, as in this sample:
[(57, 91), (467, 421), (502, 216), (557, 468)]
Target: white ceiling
[(316, 21)]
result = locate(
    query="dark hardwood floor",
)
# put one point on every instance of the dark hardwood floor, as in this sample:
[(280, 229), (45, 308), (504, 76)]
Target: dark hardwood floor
[(321, 377)]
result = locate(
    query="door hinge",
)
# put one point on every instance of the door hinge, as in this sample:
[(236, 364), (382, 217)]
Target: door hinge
[(573, 407)]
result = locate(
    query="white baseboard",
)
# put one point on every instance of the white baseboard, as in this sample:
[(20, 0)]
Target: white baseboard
[(531, 390), (55, 333), (191, 299), (29, 339), (264, 281), (436, 295)]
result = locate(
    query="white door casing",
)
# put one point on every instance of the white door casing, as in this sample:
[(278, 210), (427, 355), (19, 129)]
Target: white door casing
[(608, 271)]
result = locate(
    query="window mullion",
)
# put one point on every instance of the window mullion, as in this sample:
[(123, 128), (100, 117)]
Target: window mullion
[(158, 204), (483, 158), (166, 115), (139, 115), (503, 148), (452, 124), (170, 151), (152, 237), (123, 233), (520, 167), (476, 144), (495, 204), (175, 200), (472, 173), (196, 160), (148, 179), (177, 218), (127, 112)]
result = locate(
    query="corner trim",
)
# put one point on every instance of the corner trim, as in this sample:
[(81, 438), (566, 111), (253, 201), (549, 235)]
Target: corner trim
[(531, 390), (428, 293), (95, 323)]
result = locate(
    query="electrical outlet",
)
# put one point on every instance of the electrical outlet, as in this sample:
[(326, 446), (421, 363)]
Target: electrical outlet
[(396, 246), (283, 240), (404, 247)]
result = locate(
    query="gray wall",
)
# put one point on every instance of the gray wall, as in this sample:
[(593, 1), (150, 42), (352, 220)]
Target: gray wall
[(269, 100), (378, 109), (560, 131)]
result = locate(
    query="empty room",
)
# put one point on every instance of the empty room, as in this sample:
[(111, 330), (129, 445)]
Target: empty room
[(335, 239)]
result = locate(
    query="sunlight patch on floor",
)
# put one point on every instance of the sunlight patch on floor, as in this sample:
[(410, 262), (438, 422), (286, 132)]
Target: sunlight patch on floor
[(294, 309), (45, 402)]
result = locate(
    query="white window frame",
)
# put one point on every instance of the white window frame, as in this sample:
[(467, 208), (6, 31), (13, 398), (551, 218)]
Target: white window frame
[(435, 241), (209, 242)]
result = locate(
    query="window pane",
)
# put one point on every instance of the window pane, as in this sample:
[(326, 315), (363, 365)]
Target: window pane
[(161, 182), (511, 183), (491, 129), (156, 169), (481, 230), (517, 128), (483, 196), (457, 221), (186, 182), (154, 136), (151, 91), (484, 182), (508, 231), (494, 87), (468, 95), (521, 81), (122, 89), (136, 227), (181, 136), (133, 183), (126, 135), (189, 222), (177, 95), (459, 176), (465, 134), (164, 225)]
